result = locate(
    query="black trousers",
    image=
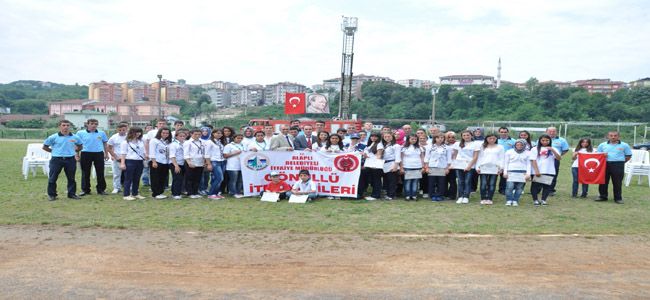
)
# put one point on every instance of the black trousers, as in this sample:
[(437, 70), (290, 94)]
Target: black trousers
[(390, 181), (69, 166), (87, 160), (437, 186), (615, 171), (474, 185), (557, 172), (502, 184), (193, 179), (177, 180), (158, 178), (452, 190), (372, 177)]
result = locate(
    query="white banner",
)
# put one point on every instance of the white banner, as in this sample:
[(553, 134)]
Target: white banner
[(335, 174)]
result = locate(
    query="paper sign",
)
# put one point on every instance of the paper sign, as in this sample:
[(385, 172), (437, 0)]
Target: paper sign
[(298, 198), (516, 177), (270, 197), (374, 163), (489, 169), (544, 179), (412, 174), (437, 172)]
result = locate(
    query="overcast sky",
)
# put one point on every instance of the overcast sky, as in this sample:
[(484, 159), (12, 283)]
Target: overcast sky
[(300, 41)]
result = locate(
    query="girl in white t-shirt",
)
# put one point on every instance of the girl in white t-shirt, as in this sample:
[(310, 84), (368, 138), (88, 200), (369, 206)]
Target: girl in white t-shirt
[(159, 164), (412, 165), (543, 158), (334, 144), (584, 146), (437, 159), (372, 175), (231, 152), (392, 159), (465, 156), (177, 162), (490, 156), (516, 161), (132, 163), (323, 136)]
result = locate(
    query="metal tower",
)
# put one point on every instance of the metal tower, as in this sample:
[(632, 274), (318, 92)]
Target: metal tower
[(349, 27), (499, 74)]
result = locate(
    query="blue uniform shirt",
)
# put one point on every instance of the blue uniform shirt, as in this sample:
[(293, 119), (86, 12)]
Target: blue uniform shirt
[(615, 152), (62, 145), (92, 141), (507, 144), (560, 144)]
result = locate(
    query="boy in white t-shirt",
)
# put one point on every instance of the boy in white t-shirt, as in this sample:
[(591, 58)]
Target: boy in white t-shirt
[(305, 186)]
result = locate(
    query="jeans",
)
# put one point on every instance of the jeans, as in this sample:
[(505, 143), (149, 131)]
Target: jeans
[(514, 190), (235, 183), (464, 183), (411, 187), (159, 178), (218, 167), (205, 178), (132, 175), (86, 161), (177, 180), (437, 186), (145, 174), (117, 175), (69, 166), (574, 191), (488, 185)]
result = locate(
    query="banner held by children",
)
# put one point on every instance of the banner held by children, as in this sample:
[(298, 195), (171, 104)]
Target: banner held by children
[(335, 174)]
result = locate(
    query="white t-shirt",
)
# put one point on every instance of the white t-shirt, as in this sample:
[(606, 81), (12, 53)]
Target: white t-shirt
[(467, 153), (116, 142), (332, 149), (158, 150), (134, 150), (215, 150), (575, 162), (411, 157), (545, 160), (392, 152), (232, 162), (259, 146), (491, 155), (176, 151), (380, 146), (195, 151), (438, 156), (514, 161), (304, 186)]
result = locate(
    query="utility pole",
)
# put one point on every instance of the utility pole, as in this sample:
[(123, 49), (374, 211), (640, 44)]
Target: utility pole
[(160, 112), (434, 91), (349, 27)]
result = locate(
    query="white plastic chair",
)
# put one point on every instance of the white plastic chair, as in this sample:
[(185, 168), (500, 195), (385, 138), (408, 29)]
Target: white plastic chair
[(639, 165), (34, 158), (108, 168)]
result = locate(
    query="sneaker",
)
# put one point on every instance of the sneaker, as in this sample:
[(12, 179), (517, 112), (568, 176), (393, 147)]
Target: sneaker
[(465, 200), (195, 196), (508, 203), (543, 202), (115, 191), (369, 198), (51, 198), (161, 196), (619, 201), (424, 195), (488, 202), (536, 203), (388, 198), (515, 203), (483, 202), (213, 197), (220, 197), (203, 193), (177, 197), (140, 197), (129, 198), (239, 196), (330, 197), (460, 200)]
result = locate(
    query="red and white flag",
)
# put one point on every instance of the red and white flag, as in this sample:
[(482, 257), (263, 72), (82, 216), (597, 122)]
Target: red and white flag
[(294, 104), (591, 168)]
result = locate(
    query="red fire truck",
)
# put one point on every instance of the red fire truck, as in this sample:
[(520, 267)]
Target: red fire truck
[(330, 125)]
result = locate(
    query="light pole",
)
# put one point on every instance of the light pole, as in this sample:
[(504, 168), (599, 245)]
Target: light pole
[(434, 91), (160, 112)]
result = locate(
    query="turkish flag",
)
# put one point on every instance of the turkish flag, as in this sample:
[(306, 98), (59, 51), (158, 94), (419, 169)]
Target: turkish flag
[(591, 168), (294, 104)]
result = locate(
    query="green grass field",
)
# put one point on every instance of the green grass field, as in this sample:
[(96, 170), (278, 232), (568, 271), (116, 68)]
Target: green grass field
[(25, 202)]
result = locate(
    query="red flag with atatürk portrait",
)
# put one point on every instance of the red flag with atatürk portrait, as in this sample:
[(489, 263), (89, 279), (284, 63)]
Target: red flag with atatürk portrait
[(294, 103), (591, 168)]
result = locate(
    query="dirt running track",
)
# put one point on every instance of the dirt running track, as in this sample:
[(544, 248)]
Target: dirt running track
[(61, 262)]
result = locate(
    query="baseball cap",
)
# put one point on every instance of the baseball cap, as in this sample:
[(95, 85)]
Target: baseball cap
[(355, 136), (274, 173)]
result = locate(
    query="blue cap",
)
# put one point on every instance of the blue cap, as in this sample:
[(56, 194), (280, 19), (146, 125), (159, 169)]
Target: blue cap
[(355, 136)]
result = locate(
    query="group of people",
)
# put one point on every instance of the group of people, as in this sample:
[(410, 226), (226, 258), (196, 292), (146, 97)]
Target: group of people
[(205, 161)]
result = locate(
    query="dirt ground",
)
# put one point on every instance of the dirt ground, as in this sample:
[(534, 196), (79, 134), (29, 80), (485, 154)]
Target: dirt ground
[(60, 262)]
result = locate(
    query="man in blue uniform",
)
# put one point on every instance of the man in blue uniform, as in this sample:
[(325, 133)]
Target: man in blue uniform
[(617, 154), (64, 146), (94, 153)]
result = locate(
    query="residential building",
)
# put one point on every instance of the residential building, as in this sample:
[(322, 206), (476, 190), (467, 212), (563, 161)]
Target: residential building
[(461, 81), (79, 118), (147, 109), (416, 83), (599, 86), (105, 91), (274, 93), (138, 91), (357, 83), (558, 84), (643, 82), (219, 97)]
